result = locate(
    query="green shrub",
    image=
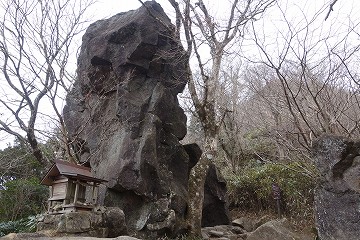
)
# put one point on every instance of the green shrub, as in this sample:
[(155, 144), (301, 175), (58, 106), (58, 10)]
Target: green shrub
[(251, 189), (23, 225), (21, 198)]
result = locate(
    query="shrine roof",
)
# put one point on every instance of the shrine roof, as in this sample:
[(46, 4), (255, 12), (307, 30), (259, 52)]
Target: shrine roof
[(69, 170)]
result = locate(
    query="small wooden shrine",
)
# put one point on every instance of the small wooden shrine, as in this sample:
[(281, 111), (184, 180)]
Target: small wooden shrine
[(68, 184)]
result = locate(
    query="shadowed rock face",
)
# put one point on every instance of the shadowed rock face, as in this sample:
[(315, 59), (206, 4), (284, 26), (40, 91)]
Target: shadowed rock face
[(215, 207), (124, 114), (337, 198)]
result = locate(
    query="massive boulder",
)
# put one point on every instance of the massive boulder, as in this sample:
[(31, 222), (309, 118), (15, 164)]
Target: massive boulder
[(337, 198), (125, 121)]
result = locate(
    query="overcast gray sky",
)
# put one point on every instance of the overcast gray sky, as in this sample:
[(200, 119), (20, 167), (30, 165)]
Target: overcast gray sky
[(345, 12)]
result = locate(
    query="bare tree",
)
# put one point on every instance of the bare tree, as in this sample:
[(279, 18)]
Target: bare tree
[(203, 32), (36, 40), (314, 78), (232, 92)]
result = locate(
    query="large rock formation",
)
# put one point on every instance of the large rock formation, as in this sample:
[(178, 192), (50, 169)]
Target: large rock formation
[(124, 116), (337, 198)]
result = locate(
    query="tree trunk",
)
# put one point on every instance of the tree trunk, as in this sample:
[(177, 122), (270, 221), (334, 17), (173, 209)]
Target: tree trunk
[(35, 148), (196, 184)]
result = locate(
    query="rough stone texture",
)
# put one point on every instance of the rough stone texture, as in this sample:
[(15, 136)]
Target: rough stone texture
[(124, 114), (222, 231), (271, 230), (194, 152), (114, 220), (245, 223), (110, 223), (124, 117), (37, 236), (215, 208), (337, 198), (275, 229), (258, 222), (20, 236)]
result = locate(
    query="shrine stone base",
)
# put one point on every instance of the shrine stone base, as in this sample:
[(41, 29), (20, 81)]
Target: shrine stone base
[(105, 222)]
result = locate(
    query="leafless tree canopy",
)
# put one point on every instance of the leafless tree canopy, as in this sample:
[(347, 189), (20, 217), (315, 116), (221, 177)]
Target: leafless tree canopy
[(300, 86), (36, 41)]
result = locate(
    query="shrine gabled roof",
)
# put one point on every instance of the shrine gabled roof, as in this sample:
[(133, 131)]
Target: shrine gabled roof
[(70, 170)]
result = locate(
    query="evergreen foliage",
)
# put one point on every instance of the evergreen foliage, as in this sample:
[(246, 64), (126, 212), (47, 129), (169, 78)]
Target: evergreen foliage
[(21, 194), (21, 198), (251, 188), (22, 225)]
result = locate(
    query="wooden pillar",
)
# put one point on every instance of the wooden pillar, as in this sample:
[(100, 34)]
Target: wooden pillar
[(94, 193), (51, 195), (76, 192)]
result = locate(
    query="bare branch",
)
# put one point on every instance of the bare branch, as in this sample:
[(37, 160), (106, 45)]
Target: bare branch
[(331, 8)]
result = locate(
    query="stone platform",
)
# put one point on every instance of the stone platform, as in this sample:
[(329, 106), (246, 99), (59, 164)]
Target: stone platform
[(106, 222)]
